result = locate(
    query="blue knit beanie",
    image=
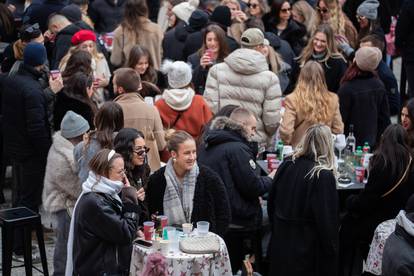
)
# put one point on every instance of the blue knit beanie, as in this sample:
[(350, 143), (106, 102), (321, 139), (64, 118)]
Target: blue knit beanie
[(34, 54)]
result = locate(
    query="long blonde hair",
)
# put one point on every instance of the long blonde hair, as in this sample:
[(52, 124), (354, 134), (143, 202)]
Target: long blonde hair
[(308, 13), (318, 145), (95, 55), (331, 48), (337, 19), (312, 92)]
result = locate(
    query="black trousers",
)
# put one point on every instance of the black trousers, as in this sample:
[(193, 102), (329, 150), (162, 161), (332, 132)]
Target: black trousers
[(28, 176), (409, 69), (240, 243)]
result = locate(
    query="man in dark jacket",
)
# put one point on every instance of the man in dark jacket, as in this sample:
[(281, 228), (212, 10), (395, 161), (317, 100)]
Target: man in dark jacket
[(404, 41), (61, 31), (39, 12), (229, 153), (398, 257), (106, 14), (26, 129)]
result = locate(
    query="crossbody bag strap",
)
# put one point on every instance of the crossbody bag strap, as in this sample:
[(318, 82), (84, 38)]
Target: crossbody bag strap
[(401, 179), (176, 119)]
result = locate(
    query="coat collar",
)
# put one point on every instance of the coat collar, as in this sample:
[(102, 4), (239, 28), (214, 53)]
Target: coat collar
[(129, 97)]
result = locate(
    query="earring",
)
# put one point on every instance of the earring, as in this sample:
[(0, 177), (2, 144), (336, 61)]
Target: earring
[(174, 159)]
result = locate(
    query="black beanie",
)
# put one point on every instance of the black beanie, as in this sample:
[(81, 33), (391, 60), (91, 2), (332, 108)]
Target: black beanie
[(222, 16), (198, 20), (72, 12)]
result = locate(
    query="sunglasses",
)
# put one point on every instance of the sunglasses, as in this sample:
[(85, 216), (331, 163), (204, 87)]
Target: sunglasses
[(252, 6), (141, 151), (33, 28), (322, 11), (286, 10)]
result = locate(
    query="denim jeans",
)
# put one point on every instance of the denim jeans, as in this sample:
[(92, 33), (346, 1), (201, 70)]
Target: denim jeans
[(62, 232)]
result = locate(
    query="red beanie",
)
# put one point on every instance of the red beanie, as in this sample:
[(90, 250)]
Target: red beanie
[(83, 35)]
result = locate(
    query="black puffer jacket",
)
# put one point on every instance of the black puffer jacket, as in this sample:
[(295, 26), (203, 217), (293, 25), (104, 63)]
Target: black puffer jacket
[(173, 42), (210, 199), (404, 32), (106, 14), (103, 235), (230, 155), (25, 116)]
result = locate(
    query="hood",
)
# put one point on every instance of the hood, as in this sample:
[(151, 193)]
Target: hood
[(178, 99), (405, 222), (247, 61), (223, 130)]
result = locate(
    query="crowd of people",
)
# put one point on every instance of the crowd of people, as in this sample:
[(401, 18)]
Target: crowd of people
[(114, 112)]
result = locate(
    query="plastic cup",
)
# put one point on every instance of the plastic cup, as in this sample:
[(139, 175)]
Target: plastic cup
[(148, 230), (287, 150), (271, 158), (164, 247), (202, 227), (359, 174), (163, 220), (187, 228), (168, 233)]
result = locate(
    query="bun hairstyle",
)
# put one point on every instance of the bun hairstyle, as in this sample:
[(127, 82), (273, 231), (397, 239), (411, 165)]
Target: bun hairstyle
[(179, 73), (176, 138)]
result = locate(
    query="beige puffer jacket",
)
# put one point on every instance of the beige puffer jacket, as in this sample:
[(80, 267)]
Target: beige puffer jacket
[(244, 79)]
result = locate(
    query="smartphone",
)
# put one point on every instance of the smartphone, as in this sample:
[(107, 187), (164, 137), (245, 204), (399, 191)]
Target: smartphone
[(54, 74), (143, 243)]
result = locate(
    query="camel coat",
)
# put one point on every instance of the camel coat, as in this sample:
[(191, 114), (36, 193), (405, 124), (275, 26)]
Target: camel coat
[(145, 118), (294, 123), (150, 37)]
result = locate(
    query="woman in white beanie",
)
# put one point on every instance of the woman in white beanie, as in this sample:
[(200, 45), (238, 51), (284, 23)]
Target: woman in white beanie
[(362, 97), (179, 107), (367, 16)]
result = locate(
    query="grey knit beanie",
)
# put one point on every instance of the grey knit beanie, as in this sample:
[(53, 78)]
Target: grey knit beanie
[(73, 125), (369, 9)]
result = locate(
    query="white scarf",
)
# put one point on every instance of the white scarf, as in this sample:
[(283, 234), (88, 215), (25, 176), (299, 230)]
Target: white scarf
[(177, 203), (98, 184)]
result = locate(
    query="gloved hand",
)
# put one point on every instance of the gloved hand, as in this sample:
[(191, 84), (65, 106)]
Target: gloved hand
[(346, 49)]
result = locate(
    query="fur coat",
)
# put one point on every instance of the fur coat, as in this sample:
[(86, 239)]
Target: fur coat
[(61, 184)]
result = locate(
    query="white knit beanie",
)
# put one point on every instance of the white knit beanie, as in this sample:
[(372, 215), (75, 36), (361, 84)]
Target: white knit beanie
[(184, 10), (179, 73)]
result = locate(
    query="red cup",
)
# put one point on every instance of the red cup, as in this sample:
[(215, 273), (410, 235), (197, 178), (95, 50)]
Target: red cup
[(163, 220), (148, 230), (271, 158), (359, 174)]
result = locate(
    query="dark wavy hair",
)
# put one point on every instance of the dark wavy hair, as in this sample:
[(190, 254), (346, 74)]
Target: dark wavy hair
[(393, 153), (124, 143), (109, 119), (79, 61), (76, 87), (275, 7)]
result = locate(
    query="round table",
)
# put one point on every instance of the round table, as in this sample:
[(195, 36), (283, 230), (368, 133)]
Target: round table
[(183, 264)]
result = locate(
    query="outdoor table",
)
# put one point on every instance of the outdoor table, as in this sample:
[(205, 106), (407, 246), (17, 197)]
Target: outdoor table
[(180, 263), (351, 186)]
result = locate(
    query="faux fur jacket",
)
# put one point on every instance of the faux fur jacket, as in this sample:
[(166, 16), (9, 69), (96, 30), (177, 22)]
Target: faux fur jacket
[(61, 184)]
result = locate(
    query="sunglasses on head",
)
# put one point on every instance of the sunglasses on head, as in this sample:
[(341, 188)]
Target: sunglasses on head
[(141, 151), (322, 11), (31, 29), (253, 6)]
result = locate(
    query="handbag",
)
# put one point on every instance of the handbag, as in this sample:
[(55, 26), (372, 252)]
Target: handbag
[(200, 245), (401, 179)]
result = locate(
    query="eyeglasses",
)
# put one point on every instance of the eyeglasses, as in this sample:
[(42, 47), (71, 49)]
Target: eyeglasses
[(33, 28), (286, 10), (322, 10), (252, 6), (121, 172), (141, 151)]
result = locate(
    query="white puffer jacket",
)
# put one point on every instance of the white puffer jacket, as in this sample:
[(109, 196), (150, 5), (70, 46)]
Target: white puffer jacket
[(244, 79), (61, 184)]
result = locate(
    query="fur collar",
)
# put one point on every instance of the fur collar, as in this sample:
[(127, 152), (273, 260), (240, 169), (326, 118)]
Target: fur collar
[(225, 123)]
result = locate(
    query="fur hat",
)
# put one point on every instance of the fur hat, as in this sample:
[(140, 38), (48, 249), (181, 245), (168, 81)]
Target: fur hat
[(368, 58), (369, 9), (184, 10), (179, 73)]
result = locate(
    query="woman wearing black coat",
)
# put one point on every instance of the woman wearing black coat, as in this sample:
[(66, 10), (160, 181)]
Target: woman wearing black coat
[(362, 97), (303, 210), (187, 192), (76, 96), (389, 186)]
